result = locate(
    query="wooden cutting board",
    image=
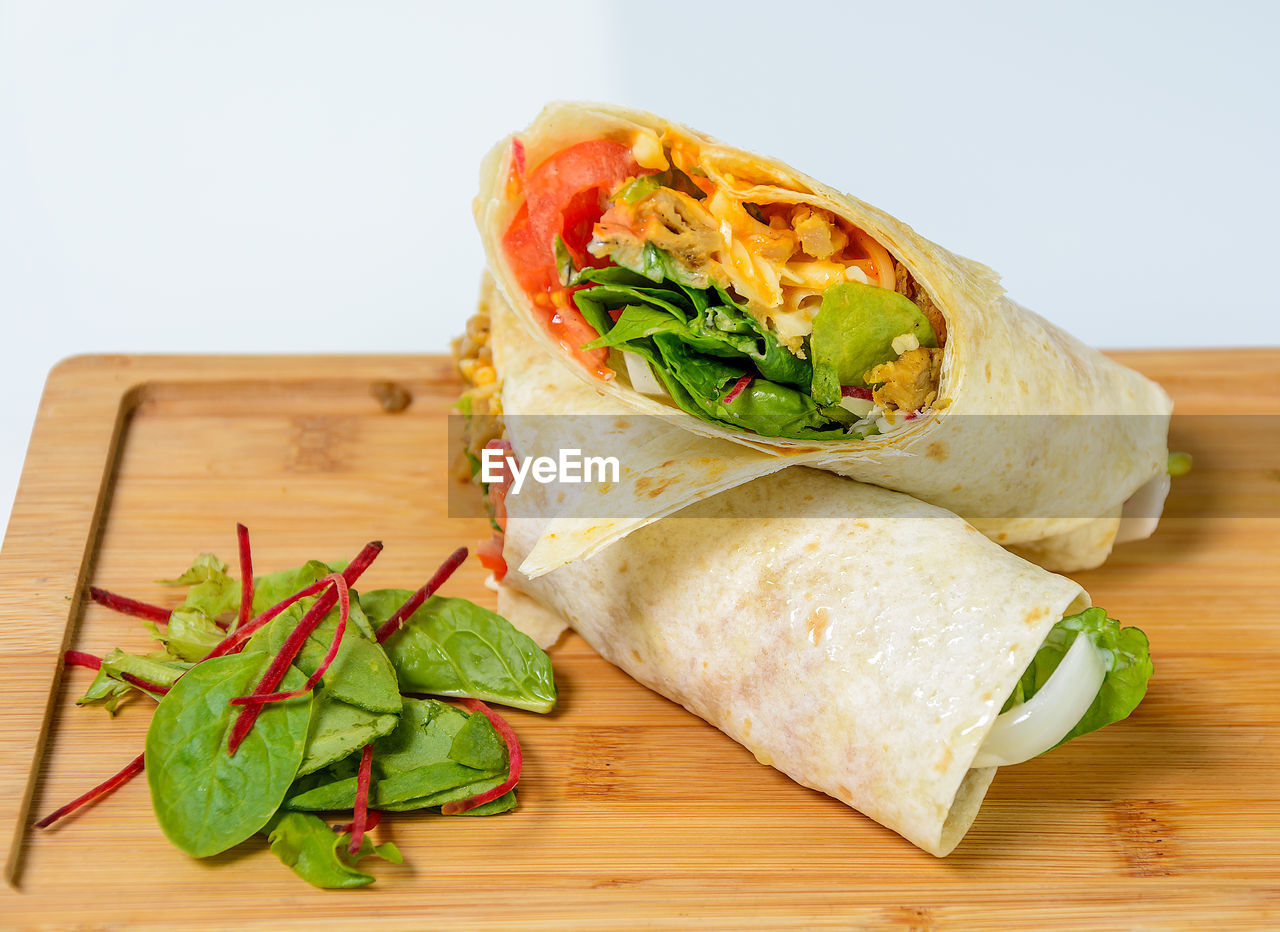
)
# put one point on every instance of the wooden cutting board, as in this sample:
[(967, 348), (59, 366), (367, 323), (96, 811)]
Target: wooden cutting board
[(632, 812)]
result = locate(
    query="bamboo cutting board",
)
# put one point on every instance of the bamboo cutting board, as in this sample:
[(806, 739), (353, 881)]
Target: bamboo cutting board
[(632, 812)]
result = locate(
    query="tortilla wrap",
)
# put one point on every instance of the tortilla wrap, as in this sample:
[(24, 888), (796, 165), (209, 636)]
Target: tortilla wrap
[(865, 657), (1055, 484)]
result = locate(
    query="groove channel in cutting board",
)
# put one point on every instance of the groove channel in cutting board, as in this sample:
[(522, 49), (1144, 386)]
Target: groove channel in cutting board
[(631, 809)]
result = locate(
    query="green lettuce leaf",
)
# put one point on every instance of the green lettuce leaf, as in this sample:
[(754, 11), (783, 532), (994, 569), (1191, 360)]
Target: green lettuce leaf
[(1128, 660), (854, 332)]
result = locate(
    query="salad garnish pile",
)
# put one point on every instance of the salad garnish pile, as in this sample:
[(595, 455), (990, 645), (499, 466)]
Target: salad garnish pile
[(291, 694)]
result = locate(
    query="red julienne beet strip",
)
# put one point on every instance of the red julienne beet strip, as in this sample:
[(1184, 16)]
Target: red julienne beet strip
[(280, 665), (853, 391), (230, 644), (361, 814), (737, 389), (78, 658), (129, 606), (375, 816), (144, 684), (246, 576), (514, 757), (234, 641), (414, 602), (131, 770), (344, 608)]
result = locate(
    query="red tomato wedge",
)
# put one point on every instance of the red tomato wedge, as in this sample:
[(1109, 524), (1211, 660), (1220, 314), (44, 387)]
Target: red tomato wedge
[(564, 195)]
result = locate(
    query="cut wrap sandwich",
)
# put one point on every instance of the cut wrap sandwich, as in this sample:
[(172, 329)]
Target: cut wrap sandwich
[(750, 303), (892, 658)]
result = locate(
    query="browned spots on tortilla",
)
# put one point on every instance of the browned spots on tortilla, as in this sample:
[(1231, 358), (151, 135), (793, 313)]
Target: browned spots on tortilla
[(637, 656), (623, 566), (844, 793), (811, 546), (945, 761), (957, 487), (668, 464), (1144, 836), (1002, 536), (746, 726), (817, 623), (645, 485), (1035, 615), (659, 488), (862, 524), (1022, 387), (936, 451), (988, 369)]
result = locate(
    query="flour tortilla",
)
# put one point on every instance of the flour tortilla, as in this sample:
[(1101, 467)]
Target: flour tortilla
[(864, 656), (1059, 486)]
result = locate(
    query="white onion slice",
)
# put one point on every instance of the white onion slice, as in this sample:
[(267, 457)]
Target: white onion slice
[(1038, 724), (642, 379), (1142, 511)]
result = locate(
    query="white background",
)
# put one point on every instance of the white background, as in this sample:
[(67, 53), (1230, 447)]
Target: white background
[(278, 177)]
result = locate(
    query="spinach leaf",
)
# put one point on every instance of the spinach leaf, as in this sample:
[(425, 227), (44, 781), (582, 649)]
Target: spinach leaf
[(854, 332), (361, 673), (1128, 661), (425, 733), (452, 647), (478, 745), (436, 754), (432, 785), (338, 729), (436, 785), (205, 800), (274, 588), (504, 803), (311, 849), (700, 342)]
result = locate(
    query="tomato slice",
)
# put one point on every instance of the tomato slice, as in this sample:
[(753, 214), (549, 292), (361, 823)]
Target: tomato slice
[(558, 183), (489, 553), (525, 256), (564, 196)]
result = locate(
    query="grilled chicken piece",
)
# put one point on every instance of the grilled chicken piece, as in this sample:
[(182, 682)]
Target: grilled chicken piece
[(909, 383), (819, 236), (671, 220)]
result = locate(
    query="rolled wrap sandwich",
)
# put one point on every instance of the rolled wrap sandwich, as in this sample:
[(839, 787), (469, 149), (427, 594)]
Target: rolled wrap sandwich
[(750, 303), (868, 656)]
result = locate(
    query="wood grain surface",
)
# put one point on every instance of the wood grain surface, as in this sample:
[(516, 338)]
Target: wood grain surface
[(632, 812)]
